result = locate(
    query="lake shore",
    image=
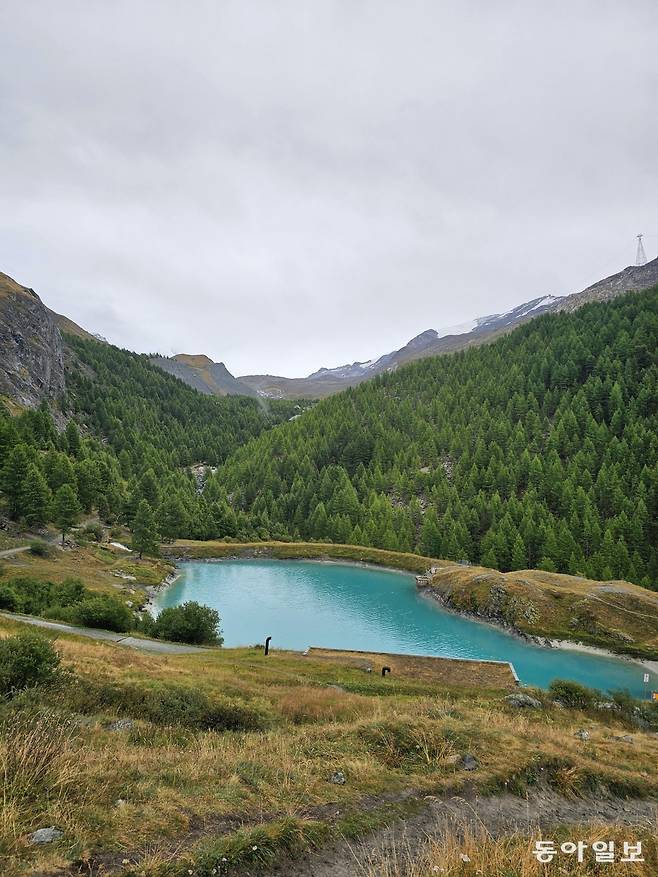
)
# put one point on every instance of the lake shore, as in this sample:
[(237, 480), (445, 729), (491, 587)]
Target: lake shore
[(466, 577), (541, 641), (423, 589), (595, 650)]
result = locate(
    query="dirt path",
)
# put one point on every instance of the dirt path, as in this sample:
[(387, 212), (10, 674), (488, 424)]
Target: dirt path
[(133, 642), (9, 552), (500, 815)]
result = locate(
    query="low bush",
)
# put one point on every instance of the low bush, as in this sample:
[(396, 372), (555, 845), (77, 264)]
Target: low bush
[(93, 532), (8, 598), (638, 712), (39, 548), (166, 705), (66, 601), (573, 695), (189, 623), (34, 596), (26, 660), (103, 611)]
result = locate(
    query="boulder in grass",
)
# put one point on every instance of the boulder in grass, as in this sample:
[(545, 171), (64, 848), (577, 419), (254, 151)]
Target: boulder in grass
[(121, 725), (45, 835), (523, 701), (469, 762)]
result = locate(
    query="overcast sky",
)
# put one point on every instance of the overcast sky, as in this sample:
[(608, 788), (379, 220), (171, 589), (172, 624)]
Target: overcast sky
[(289, 185)]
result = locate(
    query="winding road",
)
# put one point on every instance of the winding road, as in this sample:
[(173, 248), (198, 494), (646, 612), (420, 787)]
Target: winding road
[(120, 639)]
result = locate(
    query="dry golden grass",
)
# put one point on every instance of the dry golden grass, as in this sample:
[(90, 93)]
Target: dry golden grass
[(469, 852), (148, 786), (616, 615), (93, 564)]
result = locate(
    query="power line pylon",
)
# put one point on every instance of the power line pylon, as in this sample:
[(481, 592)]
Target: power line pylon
[(641, 257)]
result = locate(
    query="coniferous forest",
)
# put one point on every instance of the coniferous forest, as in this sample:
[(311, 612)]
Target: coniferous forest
[(132, 434), (538, 450)]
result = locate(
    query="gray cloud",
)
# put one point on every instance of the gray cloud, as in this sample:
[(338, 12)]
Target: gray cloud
[(289, 185)]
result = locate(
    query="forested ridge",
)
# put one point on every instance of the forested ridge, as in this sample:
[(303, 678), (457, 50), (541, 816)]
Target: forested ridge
[(539, 450), (132, 434)]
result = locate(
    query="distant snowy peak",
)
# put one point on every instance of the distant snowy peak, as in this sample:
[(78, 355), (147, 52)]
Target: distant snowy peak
[(517, 314), (449, 339), (428, 339), (459, 329), (355, 370)]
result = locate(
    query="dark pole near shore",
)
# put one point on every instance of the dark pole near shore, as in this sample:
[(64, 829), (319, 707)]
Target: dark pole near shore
[(267, 645)]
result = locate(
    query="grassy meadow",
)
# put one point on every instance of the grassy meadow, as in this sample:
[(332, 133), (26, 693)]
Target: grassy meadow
[(163, 765)]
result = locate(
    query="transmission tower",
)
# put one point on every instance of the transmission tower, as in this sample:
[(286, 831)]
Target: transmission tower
[(641, 257)]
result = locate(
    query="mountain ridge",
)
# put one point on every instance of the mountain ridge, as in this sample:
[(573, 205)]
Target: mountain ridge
[(200, 372), (44, 329), (430, 342)]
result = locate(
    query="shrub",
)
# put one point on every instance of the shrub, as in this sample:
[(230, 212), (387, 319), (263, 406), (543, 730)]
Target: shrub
[(103, 611), (35, 596), (39, 548), (574, 695), (166, 705), (635, 710), (26, 659), (8, 598), (69, 592), (93, 531), (189, 623)]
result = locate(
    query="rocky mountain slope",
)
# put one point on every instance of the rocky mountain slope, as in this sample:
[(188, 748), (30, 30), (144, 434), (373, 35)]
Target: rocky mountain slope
[(634, 277), (206, 376), (31, 348), (431, 342), (68, 327)]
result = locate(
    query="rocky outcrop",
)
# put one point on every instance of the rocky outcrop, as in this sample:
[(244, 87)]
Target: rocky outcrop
[(204, 375), (31, 348), (631, 279)]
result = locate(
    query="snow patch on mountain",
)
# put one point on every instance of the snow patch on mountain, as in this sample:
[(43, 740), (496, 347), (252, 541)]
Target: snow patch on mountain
[(429, 337)]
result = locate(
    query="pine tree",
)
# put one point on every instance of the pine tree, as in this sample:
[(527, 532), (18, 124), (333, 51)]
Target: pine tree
[(172, 517), (66, 509), (35, 498), (145, 534), (72, 439), (430, 537), (519, 555), (14, 474)]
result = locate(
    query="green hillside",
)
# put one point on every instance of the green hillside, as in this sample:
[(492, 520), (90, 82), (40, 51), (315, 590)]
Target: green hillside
[(133, 432), (539, 450)]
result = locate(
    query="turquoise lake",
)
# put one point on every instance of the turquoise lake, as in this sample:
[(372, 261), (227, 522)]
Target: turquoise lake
[(307, 603)]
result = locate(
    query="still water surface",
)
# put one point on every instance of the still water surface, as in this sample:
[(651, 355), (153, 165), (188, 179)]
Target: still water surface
[(307, 603)]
